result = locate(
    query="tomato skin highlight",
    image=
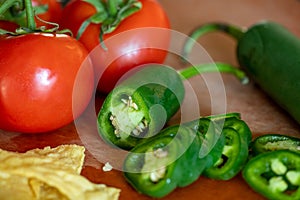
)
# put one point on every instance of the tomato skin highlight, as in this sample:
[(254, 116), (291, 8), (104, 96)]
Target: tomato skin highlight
[(151, 15), (39, 88)]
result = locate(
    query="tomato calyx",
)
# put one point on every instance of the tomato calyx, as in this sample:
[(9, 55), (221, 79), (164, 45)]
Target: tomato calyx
[(18, 10), (109, 14)]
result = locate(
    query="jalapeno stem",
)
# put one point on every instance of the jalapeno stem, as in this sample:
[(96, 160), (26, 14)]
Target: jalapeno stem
[(213, 67), (233, 31)]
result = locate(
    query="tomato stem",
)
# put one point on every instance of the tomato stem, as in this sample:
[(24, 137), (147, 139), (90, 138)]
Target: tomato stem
[(30, 15), (10, 3), (112, 6), (109, 14)]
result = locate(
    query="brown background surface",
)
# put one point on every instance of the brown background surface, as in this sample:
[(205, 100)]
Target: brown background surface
[(261, 113)]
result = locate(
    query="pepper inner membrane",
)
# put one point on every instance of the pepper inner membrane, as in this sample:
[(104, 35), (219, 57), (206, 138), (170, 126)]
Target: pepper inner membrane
[(282, 179), (127, 119), (156, 160), (285, 144)]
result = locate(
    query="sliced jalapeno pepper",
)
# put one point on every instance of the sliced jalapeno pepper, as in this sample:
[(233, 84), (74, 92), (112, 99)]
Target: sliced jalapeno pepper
[(241, 127), (272, 173), (273, 142), (141, 105), (190, 164), (158, 165), (150, 168), (213, 141), (235, 152), (233, 157)]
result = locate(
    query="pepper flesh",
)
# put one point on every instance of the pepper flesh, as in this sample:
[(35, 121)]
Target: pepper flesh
[(213, 141), (271, 173), (182, 145), (236, 149), (140, 106), (273, 142), (177, 165)]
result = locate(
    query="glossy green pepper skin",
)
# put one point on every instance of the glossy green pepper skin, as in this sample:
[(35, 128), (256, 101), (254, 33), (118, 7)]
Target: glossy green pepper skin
[(140, 106), (270, 54), (168, 160), (275, 174), (213, 141), (235, 151), (273, 142), (216, 146)]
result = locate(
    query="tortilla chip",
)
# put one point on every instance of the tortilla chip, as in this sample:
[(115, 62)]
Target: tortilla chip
[(66, 157), (49, 173)]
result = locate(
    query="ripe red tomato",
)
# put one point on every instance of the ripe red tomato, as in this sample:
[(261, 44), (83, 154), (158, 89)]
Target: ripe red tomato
[(46, 81), (8, 26), (53, 14), (133, 50)]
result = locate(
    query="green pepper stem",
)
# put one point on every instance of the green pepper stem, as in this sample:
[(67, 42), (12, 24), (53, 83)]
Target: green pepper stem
[(231, 30), (213, 67), (30, 15)]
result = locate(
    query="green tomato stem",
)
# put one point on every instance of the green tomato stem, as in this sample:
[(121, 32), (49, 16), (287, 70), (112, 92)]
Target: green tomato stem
[(30, 15), (7, 4), (109, 15), (213, 67), (112, 7)]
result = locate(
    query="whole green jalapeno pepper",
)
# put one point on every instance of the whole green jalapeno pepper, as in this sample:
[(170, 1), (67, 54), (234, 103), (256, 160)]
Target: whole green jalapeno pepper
[(273, 142), (270, 54), (275, 174), (157, 166), (140, 106)]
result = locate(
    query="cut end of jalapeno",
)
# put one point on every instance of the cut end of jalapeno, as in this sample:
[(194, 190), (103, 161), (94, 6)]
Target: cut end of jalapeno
[(140, 106), (127, 119), (122, 119), (149, 167), (273, 142), (275, 174)]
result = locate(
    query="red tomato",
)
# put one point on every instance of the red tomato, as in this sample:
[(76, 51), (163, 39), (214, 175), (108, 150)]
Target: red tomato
[(133, 49), (53, 14), (8, 26), (46, 81)]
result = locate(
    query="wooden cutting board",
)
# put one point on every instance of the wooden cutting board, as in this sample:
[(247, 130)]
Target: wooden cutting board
[(261, 114)]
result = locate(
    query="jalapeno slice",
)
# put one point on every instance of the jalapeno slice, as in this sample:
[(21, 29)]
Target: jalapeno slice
[(162, 163), (273, 142), (212, 140), (275, 175), (234, 155)]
